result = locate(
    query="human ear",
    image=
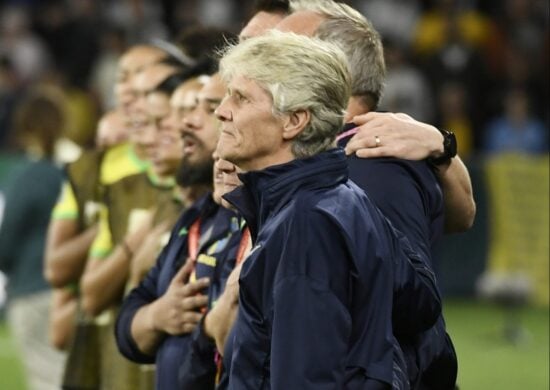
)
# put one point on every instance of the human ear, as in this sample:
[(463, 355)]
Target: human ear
[(294, 123)]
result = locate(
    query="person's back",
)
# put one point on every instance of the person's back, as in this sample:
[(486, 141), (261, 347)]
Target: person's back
[(30, 196)]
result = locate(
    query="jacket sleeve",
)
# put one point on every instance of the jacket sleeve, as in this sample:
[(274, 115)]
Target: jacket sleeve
[(411, 200), (311, 323), (143, 294), (412, 203), (417, 301)]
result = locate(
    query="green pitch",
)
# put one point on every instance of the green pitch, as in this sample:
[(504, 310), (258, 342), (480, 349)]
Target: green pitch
[(488, 359)]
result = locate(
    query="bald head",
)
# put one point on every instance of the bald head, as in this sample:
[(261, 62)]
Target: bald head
[(341, 24), (260, 23), (303, 22)]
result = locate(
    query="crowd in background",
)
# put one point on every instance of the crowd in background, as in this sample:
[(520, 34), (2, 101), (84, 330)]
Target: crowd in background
[(477, 67)]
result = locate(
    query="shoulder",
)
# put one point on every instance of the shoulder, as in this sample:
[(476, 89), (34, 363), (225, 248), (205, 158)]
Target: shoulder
[(118, 162)]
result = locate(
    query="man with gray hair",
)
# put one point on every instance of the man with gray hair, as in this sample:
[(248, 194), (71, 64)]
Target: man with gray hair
[(407, 192), (316, 292)]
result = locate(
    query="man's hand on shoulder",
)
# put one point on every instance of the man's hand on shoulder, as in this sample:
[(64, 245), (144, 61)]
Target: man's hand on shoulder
[(381, 134)]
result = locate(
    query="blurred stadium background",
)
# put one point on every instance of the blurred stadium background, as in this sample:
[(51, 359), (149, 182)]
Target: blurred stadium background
[(479, 68)]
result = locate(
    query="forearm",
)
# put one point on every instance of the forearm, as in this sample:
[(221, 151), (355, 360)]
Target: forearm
[(144, 332), (103, 281), (218, 322), (62, 319), (460, 207), (65, 262)]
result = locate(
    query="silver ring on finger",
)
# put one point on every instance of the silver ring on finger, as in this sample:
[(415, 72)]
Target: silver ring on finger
[(376, 141)]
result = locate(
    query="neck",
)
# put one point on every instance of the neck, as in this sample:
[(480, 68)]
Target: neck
[(282, 156), (356, 106), (191, 194)]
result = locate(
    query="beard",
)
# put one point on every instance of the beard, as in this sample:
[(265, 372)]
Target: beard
[(191, 174)]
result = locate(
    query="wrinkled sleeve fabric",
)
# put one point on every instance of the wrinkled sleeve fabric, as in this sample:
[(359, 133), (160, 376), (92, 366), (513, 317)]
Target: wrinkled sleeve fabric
[(406, 200), (311, 323), (310, 330)]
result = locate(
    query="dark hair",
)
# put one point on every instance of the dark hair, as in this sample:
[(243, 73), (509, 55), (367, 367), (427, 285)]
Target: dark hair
[(272, 6), (39, 117), (170, 84), (201, 42)]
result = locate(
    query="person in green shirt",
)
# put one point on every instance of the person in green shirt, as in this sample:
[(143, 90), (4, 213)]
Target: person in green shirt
[(30, 194)]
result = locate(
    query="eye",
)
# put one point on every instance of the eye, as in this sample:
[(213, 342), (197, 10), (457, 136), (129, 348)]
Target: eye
[(211, 108), (240, 97)]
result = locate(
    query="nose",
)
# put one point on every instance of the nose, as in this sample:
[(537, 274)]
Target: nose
[(192, 121), (222, 112)]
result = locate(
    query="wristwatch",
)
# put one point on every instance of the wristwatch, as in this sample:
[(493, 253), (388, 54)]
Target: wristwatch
[(449, 148)]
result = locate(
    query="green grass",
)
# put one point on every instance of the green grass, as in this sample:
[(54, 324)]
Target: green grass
[(11, 371), (486, 359)]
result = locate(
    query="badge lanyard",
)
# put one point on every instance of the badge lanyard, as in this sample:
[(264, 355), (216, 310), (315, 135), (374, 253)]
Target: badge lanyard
[(245, 240), (193, 245)]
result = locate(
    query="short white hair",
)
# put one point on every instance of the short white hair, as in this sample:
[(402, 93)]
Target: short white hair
[(300, 74)]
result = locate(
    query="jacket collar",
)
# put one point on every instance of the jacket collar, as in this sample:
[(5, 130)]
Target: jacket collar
[(267, 191)]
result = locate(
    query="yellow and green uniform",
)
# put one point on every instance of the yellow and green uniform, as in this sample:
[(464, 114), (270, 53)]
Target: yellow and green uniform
[(86, 178), (81, 201), (126, 202)]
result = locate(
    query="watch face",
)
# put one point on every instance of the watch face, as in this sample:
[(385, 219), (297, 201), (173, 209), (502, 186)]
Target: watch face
[(449, 149), (450, 144)]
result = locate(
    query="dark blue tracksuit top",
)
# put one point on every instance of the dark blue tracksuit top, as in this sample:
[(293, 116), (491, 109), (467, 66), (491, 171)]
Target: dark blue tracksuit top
[(317, 290), (219, 234), (409, 195)]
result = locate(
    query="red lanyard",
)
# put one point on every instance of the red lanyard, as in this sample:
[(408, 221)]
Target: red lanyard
[(193, 244), (245, 239)]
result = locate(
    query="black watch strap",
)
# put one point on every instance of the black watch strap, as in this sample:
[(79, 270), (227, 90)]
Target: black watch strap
[(449, 148)]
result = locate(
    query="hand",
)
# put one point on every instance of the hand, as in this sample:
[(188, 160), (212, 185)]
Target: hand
[(146, 254), (177, 311), (219, 321), (400, 136)]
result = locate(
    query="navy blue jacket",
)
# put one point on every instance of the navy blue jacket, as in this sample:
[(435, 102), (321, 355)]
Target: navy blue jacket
[(317, 290), (198, 370), (409, 195), (219, 234)]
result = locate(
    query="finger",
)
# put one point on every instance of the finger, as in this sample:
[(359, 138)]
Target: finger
[(373, 152), (363, 118), (358, 143), (197, 286), (182, 276), (369, 130), (193, 303), (191, 317), (188, 328)]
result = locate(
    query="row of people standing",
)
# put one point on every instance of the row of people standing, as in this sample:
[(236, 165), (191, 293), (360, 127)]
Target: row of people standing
[(102, 229)]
